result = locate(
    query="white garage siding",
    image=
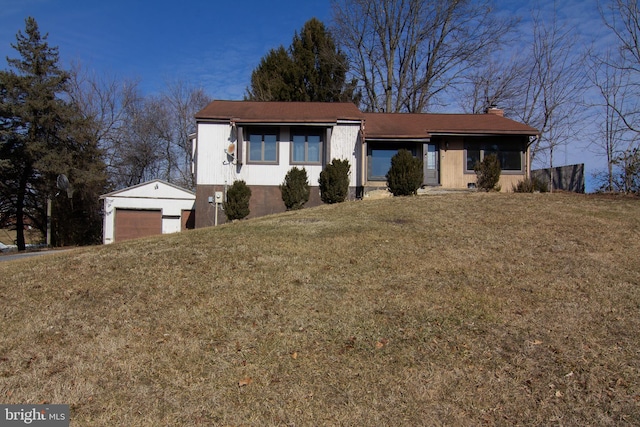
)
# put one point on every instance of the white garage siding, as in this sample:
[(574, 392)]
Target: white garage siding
[(166, 200)]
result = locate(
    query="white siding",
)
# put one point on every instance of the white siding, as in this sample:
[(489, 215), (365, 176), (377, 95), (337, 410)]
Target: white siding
[(171, 225), (211, 142), (257, 174), (345, 144), (213, 167), (153, 190)]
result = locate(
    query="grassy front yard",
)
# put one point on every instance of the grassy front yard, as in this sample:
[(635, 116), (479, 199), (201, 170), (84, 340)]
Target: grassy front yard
[(470, 309)]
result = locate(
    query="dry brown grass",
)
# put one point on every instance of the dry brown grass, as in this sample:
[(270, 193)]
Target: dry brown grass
[(470, 309)]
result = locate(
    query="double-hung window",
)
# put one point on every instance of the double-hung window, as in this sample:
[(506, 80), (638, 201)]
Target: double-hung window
[(306, 146), (263, 145)]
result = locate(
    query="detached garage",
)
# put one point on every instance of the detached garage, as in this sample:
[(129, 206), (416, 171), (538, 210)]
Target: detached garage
[(147, 209)]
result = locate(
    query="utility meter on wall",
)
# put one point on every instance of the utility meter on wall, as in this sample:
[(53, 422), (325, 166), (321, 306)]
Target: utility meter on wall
[(218, 197)]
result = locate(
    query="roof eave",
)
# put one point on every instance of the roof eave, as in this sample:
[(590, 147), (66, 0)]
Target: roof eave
[(284, 122), (142, 184), (379, 137), (271, 122), (483, 133)]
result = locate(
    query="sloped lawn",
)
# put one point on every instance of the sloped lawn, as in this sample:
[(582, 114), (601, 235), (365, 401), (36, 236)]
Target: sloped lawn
[(496, 309)]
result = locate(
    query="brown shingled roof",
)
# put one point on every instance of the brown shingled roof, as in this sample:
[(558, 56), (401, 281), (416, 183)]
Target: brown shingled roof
[(377, 125), (404, 125), (280, 112)]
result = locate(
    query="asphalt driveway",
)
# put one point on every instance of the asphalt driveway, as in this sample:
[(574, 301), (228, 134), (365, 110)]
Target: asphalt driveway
[(13, 255)]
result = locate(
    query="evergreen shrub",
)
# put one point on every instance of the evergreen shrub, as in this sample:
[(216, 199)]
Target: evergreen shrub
[(295, 189), (237, 204), (488, 173), (405, 175), (334, 181)]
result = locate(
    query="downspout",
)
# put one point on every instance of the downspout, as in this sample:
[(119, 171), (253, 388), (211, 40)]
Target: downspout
[(528, 160), (528, 163)]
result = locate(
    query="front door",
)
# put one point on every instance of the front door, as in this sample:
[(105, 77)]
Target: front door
[(431, 164)]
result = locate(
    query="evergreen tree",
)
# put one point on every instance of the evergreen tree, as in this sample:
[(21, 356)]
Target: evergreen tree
[(488, 173), (271, 80), (238, 198), (77, 218), (334, 181), (313, 69), (320, 67), (295, 189), (405, 175), (41, 137)]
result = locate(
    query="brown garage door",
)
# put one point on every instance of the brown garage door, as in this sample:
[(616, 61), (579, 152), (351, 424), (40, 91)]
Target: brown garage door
[(134, 223)]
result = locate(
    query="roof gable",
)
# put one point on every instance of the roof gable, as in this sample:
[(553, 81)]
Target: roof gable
[(156, 189)]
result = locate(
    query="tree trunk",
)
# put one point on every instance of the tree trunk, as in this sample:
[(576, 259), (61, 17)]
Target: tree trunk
[(22, 190)]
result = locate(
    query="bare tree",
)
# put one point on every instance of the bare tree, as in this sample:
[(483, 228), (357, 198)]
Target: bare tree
[(408, 54), (622, 18), (497, 83), (140, 152), (612, 139), (182, 102), (156, 136), (554, 86), (128, 127), (541, 85), (141, 138), (629, 165), (105, 102)]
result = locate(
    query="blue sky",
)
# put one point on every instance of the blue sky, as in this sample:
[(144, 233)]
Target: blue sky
[(213, 44)]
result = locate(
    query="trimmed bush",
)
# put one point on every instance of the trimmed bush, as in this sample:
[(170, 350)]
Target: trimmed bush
[(237, 204), (334, 181), (488, 173), (295, 189), (405, 175)]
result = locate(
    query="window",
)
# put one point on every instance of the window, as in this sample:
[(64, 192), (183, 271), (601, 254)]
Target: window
[(380, 159), (306, 146), (263, 146), (473, 156), (510, 160), (509, 152)]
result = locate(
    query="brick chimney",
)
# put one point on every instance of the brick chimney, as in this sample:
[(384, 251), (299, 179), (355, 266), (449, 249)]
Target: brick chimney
[(495, 111)]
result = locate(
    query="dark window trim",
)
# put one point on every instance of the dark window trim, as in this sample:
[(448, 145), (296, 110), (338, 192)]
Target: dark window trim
[(306, 131), (249, 131)]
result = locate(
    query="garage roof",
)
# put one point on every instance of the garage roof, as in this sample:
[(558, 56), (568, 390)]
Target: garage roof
[(156, 189)]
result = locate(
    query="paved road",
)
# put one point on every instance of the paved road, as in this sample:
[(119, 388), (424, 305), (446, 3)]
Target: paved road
[(11, 256)]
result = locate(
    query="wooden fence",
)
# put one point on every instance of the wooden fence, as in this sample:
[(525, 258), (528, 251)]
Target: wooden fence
[(565, 178)]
